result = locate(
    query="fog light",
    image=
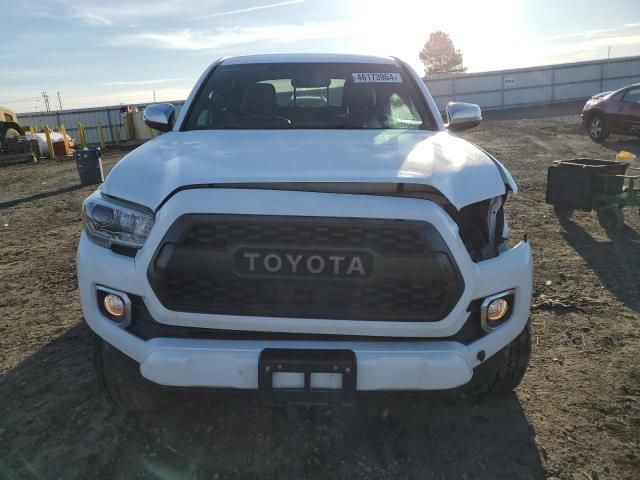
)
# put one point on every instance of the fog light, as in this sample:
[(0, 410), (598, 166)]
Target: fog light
[(497, 309), (114, 305)]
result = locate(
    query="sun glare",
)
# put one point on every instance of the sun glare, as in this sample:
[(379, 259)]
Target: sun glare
[(402, 29)]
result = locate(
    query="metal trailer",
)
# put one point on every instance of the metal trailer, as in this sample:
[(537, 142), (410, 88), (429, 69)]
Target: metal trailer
[(589, 184)]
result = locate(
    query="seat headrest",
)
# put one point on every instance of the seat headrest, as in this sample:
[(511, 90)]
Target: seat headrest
[(259, 99), (363, 97)]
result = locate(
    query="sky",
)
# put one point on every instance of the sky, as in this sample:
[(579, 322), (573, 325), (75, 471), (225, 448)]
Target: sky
[(110, 52)]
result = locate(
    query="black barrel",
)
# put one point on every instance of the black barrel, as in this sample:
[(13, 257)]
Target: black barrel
[(89, 163)]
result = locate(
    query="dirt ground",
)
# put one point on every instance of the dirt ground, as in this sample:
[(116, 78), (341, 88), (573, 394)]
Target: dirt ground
[(576, 415)]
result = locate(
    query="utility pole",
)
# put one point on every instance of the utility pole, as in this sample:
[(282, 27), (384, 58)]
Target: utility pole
[(45, 97), (59, 100), (609, 53), (154, 96)]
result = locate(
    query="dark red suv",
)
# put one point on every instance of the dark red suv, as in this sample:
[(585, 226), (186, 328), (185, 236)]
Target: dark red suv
[(613, 112)]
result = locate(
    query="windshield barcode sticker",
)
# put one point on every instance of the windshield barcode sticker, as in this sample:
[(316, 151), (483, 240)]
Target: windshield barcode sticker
[(377, 78)]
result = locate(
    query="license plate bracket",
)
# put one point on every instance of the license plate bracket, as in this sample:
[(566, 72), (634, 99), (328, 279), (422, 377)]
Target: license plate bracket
[(307, 362)]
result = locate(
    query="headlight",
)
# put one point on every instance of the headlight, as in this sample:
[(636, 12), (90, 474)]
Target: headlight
[(110, 222)]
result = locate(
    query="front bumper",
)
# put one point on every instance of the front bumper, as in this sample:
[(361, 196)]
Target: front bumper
[(234, 364), (426, 362), (583, 119)]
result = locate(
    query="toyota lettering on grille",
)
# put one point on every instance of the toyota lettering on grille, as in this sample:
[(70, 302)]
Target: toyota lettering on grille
[(303, 263)]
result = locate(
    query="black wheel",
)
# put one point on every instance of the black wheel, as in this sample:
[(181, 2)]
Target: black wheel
[(120, 378), (597, 130), (503, 372), (563, 212), (611, 217), (11, 133)]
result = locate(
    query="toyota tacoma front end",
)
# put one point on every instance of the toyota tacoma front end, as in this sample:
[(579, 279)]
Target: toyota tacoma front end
[(307, 228)]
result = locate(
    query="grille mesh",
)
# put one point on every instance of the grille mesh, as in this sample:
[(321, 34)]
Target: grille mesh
[(196, 273), (385, 240), (384, 300)]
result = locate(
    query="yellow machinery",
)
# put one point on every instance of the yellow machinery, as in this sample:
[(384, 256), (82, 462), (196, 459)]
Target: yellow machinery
[(14, 147)]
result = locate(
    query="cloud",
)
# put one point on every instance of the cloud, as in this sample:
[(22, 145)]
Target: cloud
[(590, 44), (125, 12), (589, 34), (250, 9), (142, 82), (93, 18), (85, 98), (111, 13), (45, 72), (565, 51), (589, 48), (225, 37)]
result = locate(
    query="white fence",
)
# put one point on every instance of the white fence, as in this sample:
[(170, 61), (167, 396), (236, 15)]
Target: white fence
[(112, 122), (535, 86)]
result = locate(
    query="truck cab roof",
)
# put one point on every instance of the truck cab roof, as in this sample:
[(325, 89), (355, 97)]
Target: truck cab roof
[(308, 57)]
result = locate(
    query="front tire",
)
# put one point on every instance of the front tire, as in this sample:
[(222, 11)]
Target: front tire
[(120, 378), (12, 133), (597, 130), (503, 372)]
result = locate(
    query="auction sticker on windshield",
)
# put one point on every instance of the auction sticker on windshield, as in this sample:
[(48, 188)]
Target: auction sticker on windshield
[(377, 78)]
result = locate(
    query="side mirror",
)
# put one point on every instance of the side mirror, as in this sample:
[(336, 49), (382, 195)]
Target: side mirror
[(462, 116), (160, 116)]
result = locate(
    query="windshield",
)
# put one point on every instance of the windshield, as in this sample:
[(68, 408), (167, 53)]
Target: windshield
[(308, 95)]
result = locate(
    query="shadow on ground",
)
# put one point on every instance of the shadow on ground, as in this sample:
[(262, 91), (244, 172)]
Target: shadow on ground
[(623, 143), (56, 424), (535, 111), (40, 196), (615, 261)]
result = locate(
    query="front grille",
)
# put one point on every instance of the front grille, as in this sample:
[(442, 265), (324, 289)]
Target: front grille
[(385, 240), (410, 275), (382, 300)]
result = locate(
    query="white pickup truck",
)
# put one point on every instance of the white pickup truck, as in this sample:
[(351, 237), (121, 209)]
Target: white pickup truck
[(307, 228)]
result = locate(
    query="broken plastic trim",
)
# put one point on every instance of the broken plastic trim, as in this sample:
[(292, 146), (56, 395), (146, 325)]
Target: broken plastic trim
[(481, 227)]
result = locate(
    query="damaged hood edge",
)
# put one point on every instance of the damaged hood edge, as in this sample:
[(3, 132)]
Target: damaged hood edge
[(459, 170)]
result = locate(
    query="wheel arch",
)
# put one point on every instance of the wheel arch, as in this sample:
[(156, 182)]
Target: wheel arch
[(594, 111), (6, 126)]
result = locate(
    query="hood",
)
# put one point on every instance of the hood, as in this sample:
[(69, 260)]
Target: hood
[(463, 173), (601, 95)]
